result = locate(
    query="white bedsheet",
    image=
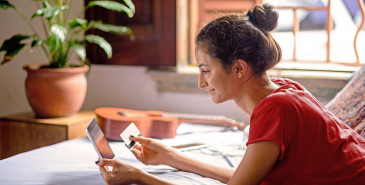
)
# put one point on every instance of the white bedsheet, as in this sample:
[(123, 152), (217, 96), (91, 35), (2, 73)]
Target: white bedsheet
[(73, 161)]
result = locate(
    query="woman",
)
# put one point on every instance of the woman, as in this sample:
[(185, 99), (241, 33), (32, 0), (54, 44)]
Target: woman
[(293, 138)]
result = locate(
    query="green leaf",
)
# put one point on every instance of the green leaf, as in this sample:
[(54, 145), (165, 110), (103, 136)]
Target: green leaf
[(101, 42), (4, 4), (12, 47), (123, 30), (58, 31), (13, 41), (130, 4), (9, 55), (111, 5), (57, 36), (46, 4), (80, 50), (49, 12), (78, 23), (92, 24), (36, 42)]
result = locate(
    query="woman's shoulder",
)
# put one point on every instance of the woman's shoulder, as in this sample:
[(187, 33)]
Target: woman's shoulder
[(287, 96), (289, 91), (286, 83), (276, 103)]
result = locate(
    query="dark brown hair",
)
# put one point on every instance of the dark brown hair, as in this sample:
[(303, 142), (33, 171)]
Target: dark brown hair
[(245, 37)]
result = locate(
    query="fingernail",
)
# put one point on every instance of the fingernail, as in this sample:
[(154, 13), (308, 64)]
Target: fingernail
[(96, 162), (132, 135)]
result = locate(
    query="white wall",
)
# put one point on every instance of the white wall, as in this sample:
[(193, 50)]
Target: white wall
[(113, 86)]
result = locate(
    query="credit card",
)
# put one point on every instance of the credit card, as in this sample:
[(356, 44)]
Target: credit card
[(131, 130)]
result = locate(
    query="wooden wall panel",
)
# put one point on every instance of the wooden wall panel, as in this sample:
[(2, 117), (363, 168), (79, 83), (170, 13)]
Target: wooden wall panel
[(154, 27)]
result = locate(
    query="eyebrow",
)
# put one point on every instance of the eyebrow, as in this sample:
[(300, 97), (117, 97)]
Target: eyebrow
[(201, 65)]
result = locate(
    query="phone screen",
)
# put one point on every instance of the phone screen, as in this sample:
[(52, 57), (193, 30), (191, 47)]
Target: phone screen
[(99, 141)]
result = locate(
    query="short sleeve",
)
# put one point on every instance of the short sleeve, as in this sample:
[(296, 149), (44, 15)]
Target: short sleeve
[(269, 122)]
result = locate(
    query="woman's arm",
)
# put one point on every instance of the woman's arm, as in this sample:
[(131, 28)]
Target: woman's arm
[(258, 160), (215, 171), (256, 163), (154, 153), (126, 174)]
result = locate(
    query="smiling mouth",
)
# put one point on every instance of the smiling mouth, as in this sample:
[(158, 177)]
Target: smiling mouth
[(211, 90)]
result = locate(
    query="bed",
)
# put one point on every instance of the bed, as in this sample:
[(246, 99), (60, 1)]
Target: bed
[(72, 161)]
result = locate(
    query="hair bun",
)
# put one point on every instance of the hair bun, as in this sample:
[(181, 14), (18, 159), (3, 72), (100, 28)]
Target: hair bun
[(264, 17)]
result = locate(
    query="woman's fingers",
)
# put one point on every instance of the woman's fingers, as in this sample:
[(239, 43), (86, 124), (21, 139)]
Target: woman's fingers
[(138, 147), (105, 173), (150, 143), (141, 153), (142, 140), (103, 170), (106, 162), (144, 154), (137, 153)]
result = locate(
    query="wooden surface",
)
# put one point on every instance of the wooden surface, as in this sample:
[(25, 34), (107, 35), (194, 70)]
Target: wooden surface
[(23, 132), (362, 24), (154, 29), (207, 10)]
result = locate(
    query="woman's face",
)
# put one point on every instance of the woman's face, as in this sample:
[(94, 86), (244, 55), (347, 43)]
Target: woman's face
[(214, 78)]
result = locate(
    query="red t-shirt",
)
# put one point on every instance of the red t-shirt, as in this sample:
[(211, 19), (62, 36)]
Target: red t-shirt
[(316, 147)]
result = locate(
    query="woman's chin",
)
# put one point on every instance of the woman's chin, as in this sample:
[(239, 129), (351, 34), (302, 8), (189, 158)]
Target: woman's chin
[(216, 100)]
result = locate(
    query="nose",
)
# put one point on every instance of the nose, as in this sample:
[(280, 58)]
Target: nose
[(201, 81)]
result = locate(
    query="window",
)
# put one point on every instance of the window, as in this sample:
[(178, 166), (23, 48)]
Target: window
[(304, 40), (193, 14), (165, 31)]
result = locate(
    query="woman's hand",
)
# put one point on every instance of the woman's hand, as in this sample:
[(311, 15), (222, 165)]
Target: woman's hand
[(151, 152), (120, 174), (126, 174)]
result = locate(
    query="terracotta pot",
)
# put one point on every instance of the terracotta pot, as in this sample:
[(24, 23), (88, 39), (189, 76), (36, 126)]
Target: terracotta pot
[(55, 92)]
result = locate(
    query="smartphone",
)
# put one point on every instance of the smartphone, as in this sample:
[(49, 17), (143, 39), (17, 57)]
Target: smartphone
[(99, 141), (190, 146)]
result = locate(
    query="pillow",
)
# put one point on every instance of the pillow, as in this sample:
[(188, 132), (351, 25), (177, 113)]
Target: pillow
[(349, 104)]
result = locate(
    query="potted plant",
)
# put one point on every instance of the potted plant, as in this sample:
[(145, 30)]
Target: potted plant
[(58, 88)]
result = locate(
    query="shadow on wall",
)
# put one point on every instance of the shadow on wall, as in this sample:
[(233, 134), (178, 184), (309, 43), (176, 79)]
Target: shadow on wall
[(134, 87)]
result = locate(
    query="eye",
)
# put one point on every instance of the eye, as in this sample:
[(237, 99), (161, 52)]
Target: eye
[(205, 71)]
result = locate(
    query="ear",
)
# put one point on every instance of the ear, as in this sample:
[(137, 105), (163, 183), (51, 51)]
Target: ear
[(240, 68)]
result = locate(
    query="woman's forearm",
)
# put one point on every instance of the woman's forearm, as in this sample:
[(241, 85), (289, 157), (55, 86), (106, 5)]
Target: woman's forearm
[(146, 178), (187, 163)]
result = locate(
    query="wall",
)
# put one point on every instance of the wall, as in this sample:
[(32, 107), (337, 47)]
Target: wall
[(123, 86), (115, 86)]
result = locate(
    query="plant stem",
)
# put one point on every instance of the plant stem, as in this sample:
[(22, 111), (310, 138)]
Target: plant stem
[(33, 29), (43, 23), (60, 15), (27, 22), (67, 12)]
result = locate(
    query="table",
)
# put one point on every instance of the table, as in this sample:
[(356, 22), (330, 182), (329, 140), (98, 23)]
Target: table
[(23, 132)]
